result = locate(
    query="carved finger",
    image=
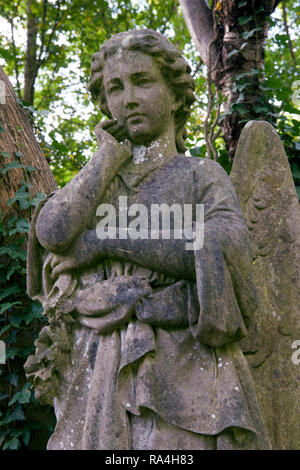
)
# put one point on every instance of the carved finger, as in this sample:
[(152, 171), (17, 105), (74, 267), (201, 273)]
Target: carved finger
[(105, 134), (107, 123), (61, 267), (55, 261), (112, 127), (109, 322), (119, 133)]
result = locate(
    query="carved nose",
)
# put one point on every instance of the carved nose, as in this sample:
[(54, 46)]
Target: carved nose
[(130, 98), (131, 105)]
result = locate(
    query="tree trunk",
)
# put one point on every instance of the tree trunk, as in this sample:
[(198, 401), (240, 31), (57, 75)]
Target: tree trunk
[(19, 144), (230, 38), (240, 70), (31, 66), (19, 147)]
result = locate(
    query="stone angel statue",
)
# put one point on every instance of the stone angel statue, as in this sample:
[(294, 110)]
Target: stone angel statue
[(142, 349)]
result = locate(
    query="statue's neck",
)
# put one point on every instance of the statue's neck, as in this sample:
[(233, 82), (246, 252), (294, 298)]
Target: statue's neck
[(156, 153)]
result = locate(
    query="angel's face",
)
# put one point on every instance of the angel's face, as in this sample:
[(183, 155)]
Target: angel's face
[(138, 96)]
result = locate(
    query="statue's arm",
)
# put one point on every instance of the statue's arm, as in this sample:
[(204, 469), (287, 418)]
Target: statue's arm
[(164, 256), (221, 269), (167, 256), (65, 216)]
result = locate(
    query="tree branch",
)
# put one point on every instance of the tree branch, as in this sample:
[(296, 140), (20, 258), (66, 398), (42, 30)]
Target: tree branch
[(173, 9), (10, 20), (287, 32), (16, 67), (51, 35), (199, 20), (44, 15), (30, 71)]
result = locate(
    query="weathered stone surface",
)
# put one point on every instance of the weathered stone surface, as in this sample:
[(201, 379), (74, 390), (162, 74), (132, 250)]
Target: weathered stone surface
[(264, 185), (143, 332)]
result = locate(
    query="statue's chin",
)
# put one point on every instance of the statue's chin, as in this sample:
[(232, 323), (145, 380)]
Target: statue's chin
[(141, 137), (139, 133)]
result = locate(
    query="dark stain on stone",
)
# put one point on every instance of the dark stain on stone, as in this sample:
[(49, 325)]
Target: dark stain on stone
[(92, 355)]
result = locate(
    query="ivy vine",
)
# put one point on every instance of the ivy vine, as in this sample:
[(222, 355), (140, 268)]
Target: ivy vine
[(20, 322)]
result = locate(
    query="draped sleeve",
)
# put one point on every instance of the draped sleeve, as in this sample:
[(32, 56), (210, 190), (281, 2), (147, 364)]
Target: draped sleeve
[(226, 291), (35, 257)]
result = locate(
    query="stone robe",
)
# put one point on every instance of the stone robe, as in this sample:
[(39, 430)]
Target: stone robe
[(176, 364)]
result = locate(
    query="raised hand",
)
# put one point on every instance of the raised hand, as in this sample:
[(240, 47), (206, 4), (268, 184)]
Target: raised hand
[(112, 127)]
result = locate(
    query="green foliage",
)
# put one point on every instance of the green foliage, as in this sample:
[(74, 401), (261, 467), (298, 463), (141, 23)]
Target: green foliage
[(20, 322), (282, 73), (276, 88), (71, 31)]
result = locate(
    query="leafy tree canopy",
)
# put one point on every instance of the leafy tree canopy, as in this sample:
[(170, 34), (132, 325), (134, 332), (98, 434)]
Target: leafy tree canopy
[(67, 34)]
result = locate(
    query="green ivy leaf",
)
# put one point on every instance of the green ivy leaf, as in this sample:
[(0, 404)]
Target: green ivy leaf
[(13, 379), (11, 166), (249, 34), (245, 19), (241, 86), (295, 172), (26, 436), (30, 169), (3, 396), (15, 289), (16, 415), (258, 108), (240, 108), (197, 151), (12, 268), (11, 221), (11, 353), (14, 252), (12, 444), (25, 185), (247, 74), (16, 319), (232, 53), (22, 396), (8, 305), (223, 115), (4, 329), (22, 197), (22, 226), (37, 199)]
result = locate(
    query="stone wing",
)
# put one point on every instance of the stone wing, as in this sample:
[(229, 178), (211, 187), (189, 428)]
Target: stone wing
[(264, 185)]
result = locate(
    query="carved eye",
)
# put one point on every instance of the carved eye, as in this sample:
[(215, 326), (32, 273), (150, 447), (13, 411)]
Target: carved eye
[(143, 81), (115, 87)]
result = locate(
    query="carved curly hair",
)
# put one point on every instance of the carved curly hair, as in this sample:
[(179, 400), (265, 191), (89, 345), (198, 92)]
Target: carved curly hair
[(172, 65)]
